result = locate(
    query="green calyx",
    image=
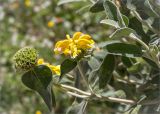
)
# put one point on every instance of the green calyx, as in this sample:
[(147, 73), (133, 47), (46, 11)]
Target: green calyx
[(25, 58)]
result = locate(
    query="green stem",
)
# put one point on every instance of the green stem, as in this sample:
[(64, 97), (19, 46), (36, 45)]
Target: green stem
[(83, 77)]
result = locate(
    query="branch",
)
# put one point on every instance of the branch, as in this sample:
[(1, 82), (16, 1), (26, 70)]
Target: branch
[(75, 89), (88, 95), (83, 77), (77, 95)]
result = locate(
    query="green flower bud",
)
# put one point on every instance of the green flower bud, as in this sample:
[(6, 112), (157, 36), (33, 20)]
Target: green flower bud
[(25, 58)]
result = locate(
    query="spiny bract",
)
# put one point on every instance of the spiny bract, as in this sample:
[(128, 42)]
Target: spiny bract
[(25, 58)]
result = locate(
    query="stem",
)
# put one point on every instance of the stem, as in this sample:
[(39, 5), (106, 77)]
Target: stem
[(84, 78), (120, 100), (77, 95), (87, 95), (119, 78), (75, 89), (64, 88), (69, 76)]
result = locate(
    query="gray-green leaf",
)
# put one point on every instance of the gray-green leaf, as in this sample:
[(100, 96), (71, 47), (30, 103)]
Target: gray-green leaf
[(122, 32), (122, 49), (39, 79), (110, 23), (105, 70), (67, 65)]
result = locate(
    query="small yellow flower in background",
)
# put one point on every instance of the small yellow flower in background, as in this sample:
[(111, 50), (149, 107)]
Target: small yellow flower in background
[(74, 46), (55, 69), (38, 112), (27, 3), (50, 24)]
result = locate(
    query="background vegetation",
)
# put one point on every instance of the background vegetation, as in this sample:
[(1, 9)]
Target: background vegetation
[(40, 23)]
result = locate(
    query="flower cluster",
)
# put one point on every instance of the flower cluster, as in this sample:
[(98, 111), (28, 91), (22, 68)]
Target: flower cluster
[(74, 46), (80, 43), (55, 69)]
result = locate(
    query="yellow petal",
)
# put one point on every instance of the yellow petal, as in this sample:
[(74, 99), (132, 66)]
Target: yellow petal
[(62, 43), (75, 54), (68, 37), (40, 61), (76, 35), (85, 36), (67, 52), (84, 44), (55, 69), (38, 112), (57, 50), (61, 46)]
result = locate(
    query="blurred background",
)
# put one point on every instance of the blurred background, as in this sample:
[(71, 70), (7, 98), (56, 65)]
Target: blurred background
[(40, 23)]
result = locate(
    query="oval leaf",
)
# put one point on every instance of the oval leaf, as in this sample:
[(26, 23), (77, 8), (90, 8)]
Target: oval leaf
[(97, 7), (122, 49), (39, 79), (150, 62), (126, 20), (113, 12), (105, 70), (122, 32), (93, 63), (67, 65), (61, 2), (77, 108), (110, 23)]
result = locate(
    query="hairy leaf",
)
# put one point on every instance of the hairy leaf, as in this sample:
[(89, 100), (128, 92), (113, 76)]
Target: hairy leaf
[(122, 49), (39, 79), (97, 7), (93, 63), (122, 32), (105, 70), (113, 12), (67, 65), (61, 2), (77, 108), (110, 23)]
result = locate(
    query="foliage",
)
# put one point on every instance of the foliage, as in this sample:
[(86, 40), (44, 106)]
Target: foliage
[(120, 72)]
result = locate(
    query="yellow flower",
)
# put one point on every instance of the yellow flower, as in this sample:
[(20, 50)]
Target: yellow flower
[(50, 24), (75, 45), (40, 61), (27, 3), (54, 69), (38, 112)]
